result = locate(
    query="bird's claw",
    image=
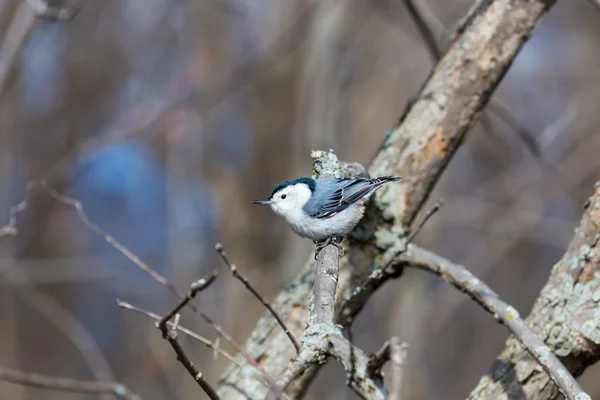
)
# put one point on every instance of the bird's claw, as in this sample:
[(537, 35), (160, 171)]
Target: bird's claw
[(334, 241)]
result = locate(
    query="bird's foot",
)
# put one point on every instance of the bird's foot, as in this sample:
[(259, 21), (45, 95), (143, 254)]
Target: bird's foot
[(332, 240)]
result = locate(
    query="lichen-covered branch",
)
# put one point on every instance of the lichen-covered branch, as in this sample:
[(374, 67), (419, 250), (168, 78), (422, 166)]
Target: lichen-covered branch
[(417, 149), (323, 338), (566, 316), (459, 277)]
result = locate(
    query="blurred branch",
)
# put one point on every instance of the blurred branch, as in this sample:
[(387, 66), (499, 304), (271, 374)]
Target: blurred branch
[(149, 112), (65, 384), (52, 13), (596, 3), (18, 31), (169, 333), (68, 325), (210, 344), (569, 300), (417, 149), (10, 229), (246, 283), (21, 27)]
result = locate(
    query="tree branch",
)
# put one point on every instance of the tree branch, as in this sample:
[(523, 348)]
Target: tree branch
[(76, 204), (246, 283), (566, 315), (395, 351), (65, 384), (170, 334), (417, 149), (459, 277), (322, 337), (261, 377)]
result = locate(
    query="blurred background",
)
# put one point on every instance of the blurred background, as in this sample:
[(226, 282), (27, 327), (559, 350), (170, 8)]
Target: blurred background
[(166, 117)]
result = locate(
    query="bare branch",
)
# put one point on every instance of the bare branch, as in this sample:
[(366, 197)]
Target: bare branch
[(76, 204), (320, 321), (418, 149), (202, 339), (170, 334), (146, 268), (324, 289), (354, 304), (459, 277), (565, 314), (355, 362), (262, 378), (65, 384), (246, 283)]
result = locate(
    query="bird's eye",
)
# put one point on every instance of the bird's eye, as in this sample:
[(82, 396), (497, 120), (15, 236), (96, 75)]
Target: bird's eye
[(283, 196)]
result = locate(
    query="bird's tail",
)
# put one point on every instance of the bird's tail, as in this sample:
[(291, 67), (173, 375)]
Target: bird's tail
[(382, 180)]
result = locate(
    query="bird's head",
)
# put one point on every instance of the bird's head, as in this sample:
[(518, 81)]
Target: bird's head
[(289, 197)]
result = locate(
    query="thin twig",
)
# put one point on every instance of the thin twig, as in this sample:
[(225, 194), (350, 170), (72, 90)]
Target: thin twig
[(202, 339), (196, 287), (263, 379), (352, 306), (76, 204), (65, 384), (462, 279), (421, 223), (170, 334), (246, 283)]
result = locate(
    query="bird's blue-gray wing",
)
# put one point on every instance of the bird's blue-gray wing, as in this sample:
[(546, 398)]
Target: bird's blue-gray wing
[(334, 195)]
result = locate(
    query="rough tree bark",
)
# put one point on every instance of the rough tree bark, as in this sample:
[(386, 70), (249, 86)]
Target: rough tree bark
[(418, 149), (566, 315)]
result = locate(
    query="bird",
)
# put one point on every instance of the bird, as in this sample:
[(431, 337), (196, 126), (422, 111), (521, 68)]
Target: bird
[(325, 209)]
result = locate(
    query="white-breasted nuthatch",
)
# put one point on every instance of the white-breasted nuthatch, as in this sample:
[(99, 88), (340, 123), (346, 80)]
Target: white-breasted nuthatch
[(326, 208)]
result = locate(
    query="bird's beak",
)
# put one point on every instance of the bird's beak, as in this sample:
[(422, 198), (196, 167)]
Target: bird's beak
[(265, 201)]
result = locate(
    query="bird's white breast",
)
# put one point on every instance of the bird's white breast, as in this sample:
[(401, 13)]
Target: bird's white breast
[(339, 224)]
